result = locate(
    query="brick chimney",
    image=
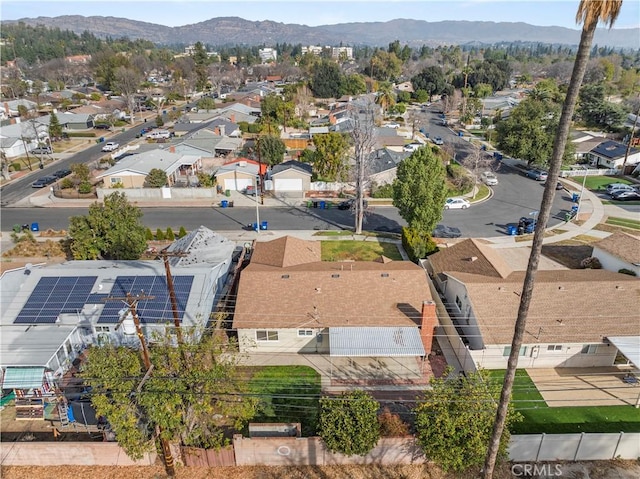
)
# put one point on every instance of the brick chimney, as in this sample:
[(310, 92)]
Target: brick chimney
[(172, 149), (428, 324), (233, 118)]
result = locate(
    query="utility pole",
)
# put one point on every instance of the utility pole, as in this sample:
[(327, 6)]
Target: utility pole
[(132, 302), (172, 292)]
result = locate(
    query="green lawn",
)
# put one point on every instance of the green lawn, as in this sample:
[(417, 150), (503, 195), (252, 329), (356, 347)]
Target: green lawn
[(287, 394), (599, 182), (358, 250), (539, 418), (627, 223)]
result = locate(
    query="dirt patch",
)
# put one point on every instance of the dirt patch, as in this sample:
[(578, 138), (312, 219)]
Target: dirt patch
[(567, 255)]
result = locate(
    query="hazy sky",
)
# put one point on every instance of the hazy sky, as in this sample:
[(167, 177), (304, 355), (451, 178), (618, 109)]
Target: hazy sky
[(312, 13)]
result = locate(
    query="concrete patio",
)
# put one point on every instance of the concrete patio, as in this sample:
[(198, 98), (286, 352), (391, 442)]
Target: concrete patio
[(585, 386)]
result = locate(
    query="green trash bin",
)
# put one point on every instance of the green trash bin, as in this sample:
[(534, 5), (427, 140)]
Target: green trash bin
[(227, 193), (309, 204)]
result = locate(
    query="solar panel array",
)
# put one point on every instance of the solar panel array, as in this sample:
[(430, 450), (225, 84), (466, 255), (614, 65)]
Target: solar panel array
[(55, 295), (156, 310)]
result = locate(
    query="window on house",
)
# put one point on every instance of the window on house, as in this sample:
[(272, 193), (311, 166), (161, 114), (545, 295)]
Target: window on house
[(266, 335), (458, 303), (589, 349), (507, 351), (102, 329), (554, 347), (115, 180), (305, 332)]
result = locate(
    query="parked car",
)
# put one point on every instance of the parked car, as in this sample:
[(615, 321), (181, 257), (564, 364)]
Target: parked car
[(625, 195), (250, 190), (350, 203), (537, 175), (438, 141), (614, 187), (39, 150), (393, 125), (456, 203), (61, 173), (488, 178), (43, 181), (110, 146), (411, 147), (102, 126), (442, 231)]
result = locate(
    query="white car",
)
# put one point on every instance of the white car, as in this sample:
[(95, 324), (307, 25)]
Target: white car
[(489, 179), (615, 187), (438, 141), (395, 126), (411, 147), (110, 146), (456, 204)]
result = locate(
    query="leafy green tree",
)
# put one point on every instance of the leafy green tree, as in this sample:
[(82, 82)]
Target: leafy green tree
[(170, 235), (454, 420), (159, 234), (206, 180), (272, 150), (330, 156), (352, 85), (156, 178), (431, 80), (326, 79), (385, 97), (206, 103), (596, 111), (111, 230), (55, 128), (187, 393), (384, 66), (182, 233), (349, 423), (529, 132), (419, 190), (80, 172), (421, 96), (148, 234)]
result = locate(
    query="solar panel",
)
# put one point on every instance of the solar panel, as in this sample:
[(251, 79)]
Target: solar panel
[(54, 295), (156, 310)]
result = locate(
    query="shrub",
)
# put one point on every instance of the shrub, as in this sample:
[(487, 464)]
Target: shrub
[(148, 234), (159, 234), (81, 134), (16, 166), (66, 183), (84, 187), (627, 271), (169, 235), (418, 244), (159, 121), (391, 425), (182, 233), (382, 191), (591, 263)]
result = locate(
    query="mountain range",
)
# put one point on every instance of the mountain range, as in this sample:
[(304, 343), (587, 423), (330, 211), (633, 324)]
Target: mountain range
[(235, 30)]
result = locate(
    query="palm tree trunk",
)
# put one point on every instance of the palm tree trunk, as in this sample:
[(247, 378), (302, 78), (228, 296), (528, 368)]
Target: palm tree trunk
[(560, 142)]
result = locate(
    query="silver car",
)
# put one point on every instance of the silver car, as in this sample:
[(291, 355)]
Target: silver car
[(489, 179)]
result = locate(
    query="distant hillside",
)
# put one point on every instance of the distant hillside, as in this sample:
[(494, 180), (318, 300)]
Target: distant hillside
[(234, 30)]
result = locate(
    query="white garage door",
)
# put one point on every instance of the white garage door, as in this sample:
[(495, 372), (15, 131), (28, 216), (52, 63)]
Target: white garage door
[(288, 184), (237, 184)]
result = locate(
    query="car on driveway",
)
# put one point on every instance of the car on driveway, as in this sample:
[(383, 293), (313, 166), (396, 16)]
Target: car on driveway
[(411, 147), (489, 178), (393, 125), (110, 146), (443, 231), (456, 203), (102, 126), (614, 187), (438, 141), (625, 195), (44, 181), (42, 150), (537, 175), (250, 191)]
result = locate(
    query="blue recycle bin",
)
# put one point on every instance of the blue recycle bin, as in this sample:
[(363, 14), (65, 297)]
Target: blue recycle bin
[(323, 205), (497, 155), (255, 226), (574, 209), (512, 230), (35, 227), (460, 133), (224, 203), (264, 225), (575, 197)]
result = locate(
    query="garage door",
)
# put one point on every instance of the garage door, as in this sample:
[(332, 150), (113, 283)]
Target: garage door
[(288, 184), (237, 184)]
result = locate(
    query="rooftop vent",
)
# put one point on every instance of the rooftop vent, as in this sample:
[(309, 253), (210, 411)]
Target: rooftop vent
[(502, 288), (384, 275), (561, 288), (285, 276), (335, 275)]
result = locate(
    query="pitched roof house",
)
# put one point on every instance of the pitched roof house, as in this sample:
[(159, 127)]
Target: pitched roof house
[(290, 301), (611, 154), (619, 251), (572, 312)]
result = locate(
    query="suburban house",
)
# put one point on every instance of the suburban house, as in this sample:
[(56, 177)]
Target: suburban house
[(620, 251), (131, 171), (611, 154), (51, 313), (209, 140), (289, 301), (291, 178), (19, 138), (237, 175), (572, 322), (383, 165), (11, 107), (388, 138)]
